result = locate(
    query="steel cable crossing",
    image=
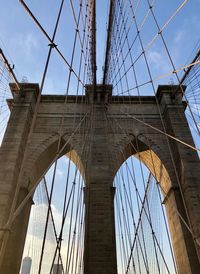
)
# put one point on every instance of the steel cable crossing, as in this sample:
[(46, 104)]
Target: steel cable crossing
[(141, 250), (141, 253), (140, 247), (119, 61), (74, 257)]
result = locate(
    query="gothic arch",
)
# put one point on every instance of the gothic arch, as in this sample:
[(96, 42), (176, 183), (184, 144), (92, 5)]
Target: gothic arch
[(160, 165), (152, 158), (100, 168), (44, 156)]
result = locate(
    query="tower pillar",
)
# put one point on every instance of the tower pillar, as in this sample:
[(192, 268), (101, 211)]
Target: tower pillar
[(182, 200), (100, 243), (12, 237)]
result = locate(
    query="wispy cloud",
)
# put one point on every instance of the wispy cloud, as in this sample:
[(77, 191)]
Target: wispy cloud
[(180, 35), (26, 43), (158, 61), (60, 172)]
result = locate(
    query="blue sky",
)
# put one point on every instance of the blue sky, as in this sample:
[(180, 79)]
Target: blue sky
[(28, 48)]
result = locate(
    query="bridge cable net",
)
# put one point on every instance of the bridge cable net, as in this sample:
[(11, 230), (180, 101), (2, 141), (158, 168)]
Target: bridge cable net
[(134, 36), (5, 78), (129, 51), (55, 238), (142, 232), (61, 237), (143, 241), (128, 54), (191, 78)]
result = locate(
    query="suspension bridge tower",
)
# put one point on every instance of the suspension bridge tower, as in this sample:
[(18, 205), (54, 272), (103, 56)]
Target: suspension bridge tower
[(102, 130)]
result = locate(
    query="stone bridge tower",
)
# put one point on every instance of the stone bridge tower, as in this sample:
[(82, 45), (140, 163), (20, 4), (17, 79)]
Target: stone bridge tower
[(116, 130)]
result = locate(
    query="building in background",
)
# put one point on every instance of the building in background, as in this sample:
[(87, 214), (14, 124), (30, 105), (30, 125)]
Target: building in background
[(26, 265), (57, 269)]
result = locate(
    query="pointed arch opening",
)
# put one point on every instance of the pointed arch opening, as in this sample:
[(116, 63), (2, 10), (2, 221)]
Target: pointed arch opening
[(55, 235), (143, 238), (145, 219)]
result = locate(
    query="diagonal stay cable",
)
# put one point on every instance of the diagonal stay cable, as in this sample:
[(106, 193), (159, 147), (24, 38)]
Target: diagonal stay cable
[(162, 132), (181, 217), (14, 202), (171, 60), (166, 23), (139, 242), (148, 216), (10, 69), (157, 77), (52, 43), (51, 214), (76, 21), (138, 224), (23, 203)]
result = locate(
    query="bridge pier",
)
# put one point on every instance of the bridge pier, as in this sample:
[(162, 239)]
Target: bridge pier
[(185, 192), (16, 238), (11, 158), (100, 243)]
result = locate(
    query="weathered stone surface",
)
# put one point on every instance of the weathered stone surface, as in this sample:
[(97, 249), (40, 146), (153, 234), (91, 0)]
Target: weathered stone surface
[(107, 136)]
